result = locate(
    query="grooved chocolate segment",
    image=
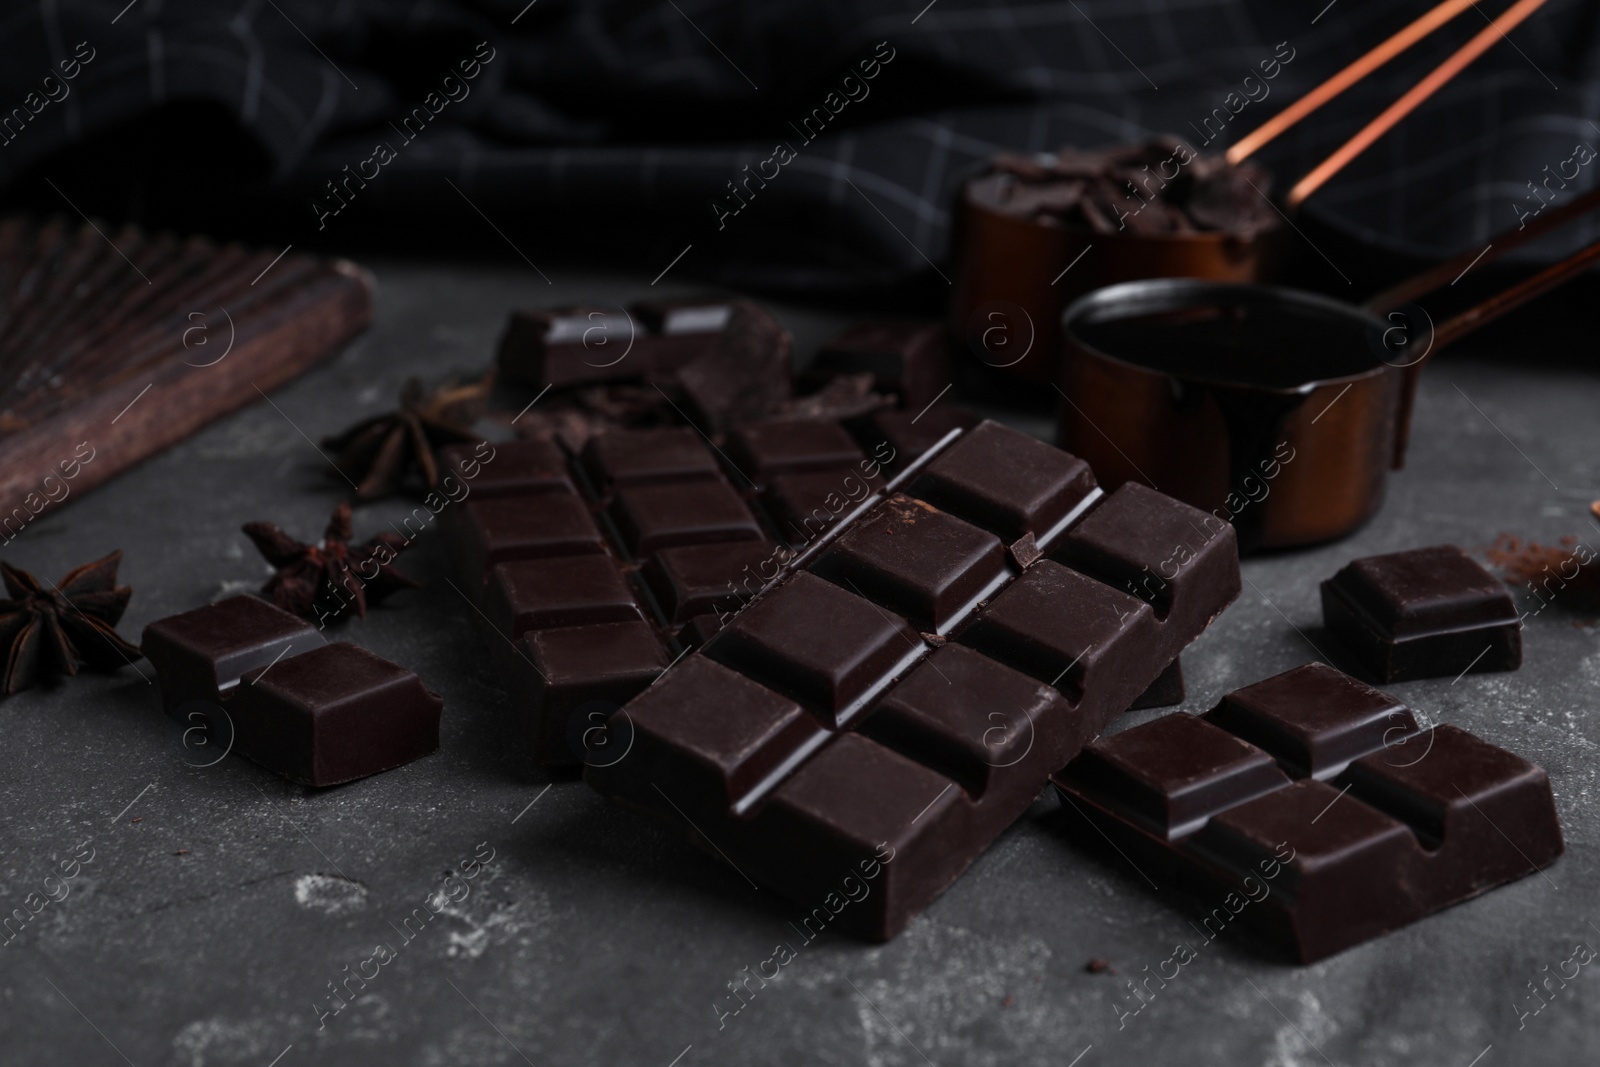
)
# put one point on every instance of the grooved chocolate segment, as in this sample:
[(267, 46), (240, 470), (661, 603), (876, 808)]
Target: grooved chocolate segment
[(573, 678), (1314, 719), (805, 504), (820, 644), (1137, 542), (538, 594), (502, 529), (672, 453), (508, 468), (1005, 481), (656, 516), (332, 715), (767, 448), (1427, 613), (932, 718), (912, 433), (708, 736), (717, 578), (917, 561), (1327, 861), (1027, 628)]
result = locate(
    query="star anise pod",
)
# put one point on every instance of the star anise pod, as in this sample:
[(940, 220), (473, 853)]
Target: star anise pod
[(56, 629), (380, 453), (321, 580)]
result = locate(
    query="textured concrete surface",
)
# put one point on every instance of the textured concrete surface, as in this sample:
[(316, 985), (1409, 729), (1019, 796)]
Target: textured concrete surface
[(221, 902)]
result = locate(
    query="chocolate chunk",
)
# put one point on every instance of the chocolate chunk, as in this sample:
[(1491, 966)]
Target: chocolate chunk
[(200, 654), (672, 453), (570, 680), (656, 516), (1426, 613), (745, 376), (502, 529), (332, 715), (1311, 809), (1001, 478), (906, 359), (567, 346), (819, 732), (717, 578), (538, 594), (508, 468), (918, 561), (315, 713), (819, 644), (764, 449)]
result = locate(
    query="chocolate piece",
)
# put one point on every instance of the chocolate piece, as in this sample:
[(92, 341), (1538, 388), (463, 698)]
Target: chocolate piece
[(717, 578), (502, 529), (763, 449), (1323, 791), (745, 376), (1426, 613), (827, 729), (200, 654), (904, 358), (911, 433), (915, 559), (332, 715), (1001, 478), (568, 346), (672, 453), (804, 505), (537, 594), (508, 468), (569, 680), (315, 713), (656, 516)]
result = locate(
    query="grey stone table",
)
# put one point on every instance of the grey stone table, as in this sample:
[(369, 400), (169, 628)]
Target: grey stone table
[(221, 903)]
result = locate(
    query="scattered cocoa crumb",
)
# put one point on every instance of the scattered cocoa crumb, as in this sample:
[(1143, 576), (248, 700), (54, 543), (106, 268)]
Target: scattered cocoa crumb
[(1099, 965), (1006, 1003), (1521, 562), (137, 818), (181, 852), (934, 639)]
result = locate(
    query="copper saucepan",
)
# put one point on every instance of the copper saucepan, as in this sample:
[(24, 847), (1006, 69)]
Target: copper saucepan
[(1014, 275), (1278, 410)]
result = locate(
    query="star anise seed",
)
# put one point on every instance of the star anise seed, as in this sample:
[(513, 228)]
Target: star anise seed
[(49, 629), (381, 453), (321, 580)]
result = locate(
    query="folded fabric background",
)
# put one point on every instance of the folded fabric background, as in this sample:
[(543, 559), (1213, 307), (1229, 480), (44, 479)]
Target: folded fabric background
[(617, 125)]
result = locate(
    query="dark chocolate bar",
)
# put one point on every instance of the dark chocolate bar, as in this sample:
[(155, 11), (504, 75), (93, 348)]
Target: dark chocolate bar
[(1427, 613), (901, 693), (1313, 809), (315, 713)]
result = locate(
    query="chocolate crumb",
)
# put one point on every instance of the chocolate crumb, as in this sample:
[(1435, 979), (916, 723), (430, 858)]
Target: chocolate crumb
[(1024, 552), (1099, 965), (934, 639)]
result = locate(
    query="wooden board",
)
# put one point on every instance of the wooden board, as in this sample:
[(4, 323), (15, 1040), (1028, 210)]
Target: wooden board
[(115, 345)]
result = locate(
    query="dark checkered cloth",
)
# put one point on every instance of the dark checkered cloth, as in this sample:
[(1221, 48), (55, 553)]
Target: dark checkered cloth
[(634, 115)]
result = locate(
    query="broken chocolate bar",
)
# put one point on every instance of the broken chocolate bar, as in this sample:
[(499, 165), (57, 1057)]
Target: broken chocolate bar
[(316, 713), (1313, 809), (900, 694), (1427, 613)]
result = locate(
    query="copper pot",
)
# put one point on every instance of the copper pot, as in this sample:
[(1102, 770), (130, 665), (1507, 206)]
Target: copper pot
[(1014, 276)]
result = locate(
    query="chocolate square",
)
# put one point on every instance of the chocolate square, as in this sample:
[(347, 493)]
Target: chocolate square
[(538, 594), (332, 715), (1008, 483), (507, 468), (568, 681), (670, 453), (654, 516), (916, 560), (1427, 613), (499, 530), (716, 579), (763, 449)]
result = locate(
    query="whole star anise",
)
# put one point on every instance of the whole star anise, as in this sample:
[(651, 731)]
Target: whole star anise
[(56, 629), (321, 580), (380, 453)]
